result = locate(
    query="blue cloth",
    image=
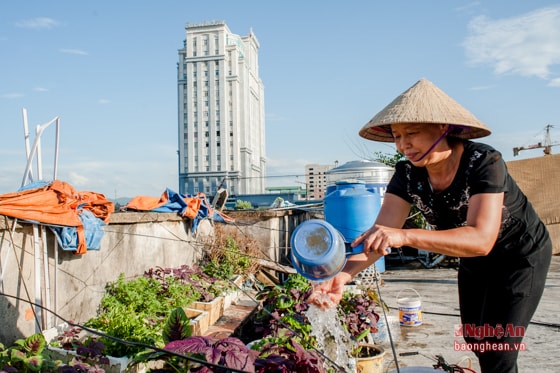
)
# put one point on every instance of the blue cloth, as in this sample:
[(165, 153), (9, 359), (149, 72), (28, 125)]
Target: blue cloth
[(67, 237), (175, 203)]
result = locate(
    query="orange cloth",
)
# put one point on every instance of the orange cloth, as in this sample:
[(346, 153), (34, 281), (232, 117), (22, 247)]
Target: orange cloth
[(57, 204), (146, 203)]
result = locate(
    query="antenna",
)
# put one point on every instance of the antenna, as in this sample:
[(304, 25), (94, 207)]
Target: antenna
[(547, 146)]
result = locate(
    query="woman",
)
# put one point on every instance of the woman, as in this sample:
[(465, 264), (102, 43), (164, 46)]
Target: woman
[(476, 212)]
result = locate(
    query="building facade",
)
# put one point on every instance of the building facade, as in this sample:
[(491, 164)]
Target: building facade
[(221, 112), (316, 180)]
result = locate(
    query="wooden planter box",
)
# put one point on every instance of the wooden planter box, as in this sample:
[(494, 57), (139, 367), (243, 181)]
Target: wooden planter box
[(233, 296), (200, 320), (214, 308)]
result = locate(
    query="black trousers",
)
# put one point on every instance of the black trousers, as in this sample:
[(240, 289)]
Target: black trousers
[(497, 301)]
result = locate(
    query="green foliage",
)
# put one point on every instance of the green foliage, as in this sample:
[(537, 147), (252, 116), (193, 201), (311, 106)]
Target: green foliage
[(243, 205), (26, 355), (176, 328), (136, 310), (227, 261), (389, 159), (283, 314), (31, 355)]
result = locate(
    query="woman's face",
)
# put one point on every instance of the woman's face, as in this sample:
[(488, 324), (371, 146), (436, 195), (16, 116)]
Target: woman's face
[(415, 139)]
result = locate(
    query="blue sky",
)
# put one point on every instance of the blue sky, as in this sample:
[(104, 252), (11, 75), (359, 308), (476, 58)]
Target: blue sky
[(108, 70)]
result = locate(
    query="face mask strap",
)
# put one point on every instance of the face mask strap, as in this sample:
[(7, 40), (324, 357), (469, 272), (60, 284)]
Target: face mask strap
[(449, 128)]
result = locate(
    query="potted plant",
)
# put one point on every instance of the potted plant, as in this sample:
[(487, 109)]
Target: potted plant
[(358, 315), (208, 291), (135, 310), (208, 354), (283, 312), (32, 355), (185, 352)]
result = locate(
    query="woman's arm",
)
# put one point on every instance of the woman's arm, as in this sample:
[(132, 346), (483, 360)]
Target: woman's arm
[(476, 238)]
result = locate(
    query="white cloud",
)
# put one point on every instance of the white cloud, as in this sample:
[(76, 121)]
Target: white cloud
[(74, 51), (554, 82), (103, 101), (526, 45), (37, 23), (40, 89), (481, 87), (11, 95)]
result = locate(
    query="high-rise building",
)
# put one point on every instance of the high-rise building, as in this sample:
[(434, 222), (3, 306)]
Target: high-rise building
[(316, 180), (221, 112)]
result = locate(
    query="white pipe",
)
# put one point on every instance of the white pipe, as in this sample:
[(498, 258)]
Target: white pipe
[(57, 141), (31, 153), (26, 139), (38, 132), (38, 295), (55, 175)]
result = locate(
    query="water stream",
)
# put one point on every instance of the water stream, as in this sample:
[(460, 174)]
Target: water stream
[(333, 340)]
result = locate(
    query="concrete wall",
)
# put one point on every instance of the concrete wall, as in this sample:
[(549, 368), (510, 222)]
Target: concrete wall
[(132, 243)]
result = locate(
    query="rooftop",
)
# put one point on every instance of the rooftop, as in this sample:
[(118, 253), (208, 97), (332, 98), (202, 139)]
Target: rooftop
[(418, 346)]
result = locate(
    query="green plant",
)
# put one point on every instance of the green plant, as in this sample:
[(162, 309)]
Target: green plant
[(31, 355), (176, 328), (389, 159), (243, 205), (358, 316), (204, 286), (26, 355), (136, 310), (230, 253), (283, 313)]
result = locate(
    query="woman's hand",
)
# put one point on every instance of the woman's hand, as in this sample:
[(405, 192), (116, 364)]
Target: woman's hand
[(328, 293), (379, 240)]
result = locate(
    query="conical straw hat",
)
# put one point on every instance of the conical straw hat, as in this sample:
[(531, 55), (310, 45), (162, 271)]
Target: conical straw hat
[(424, 103)]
